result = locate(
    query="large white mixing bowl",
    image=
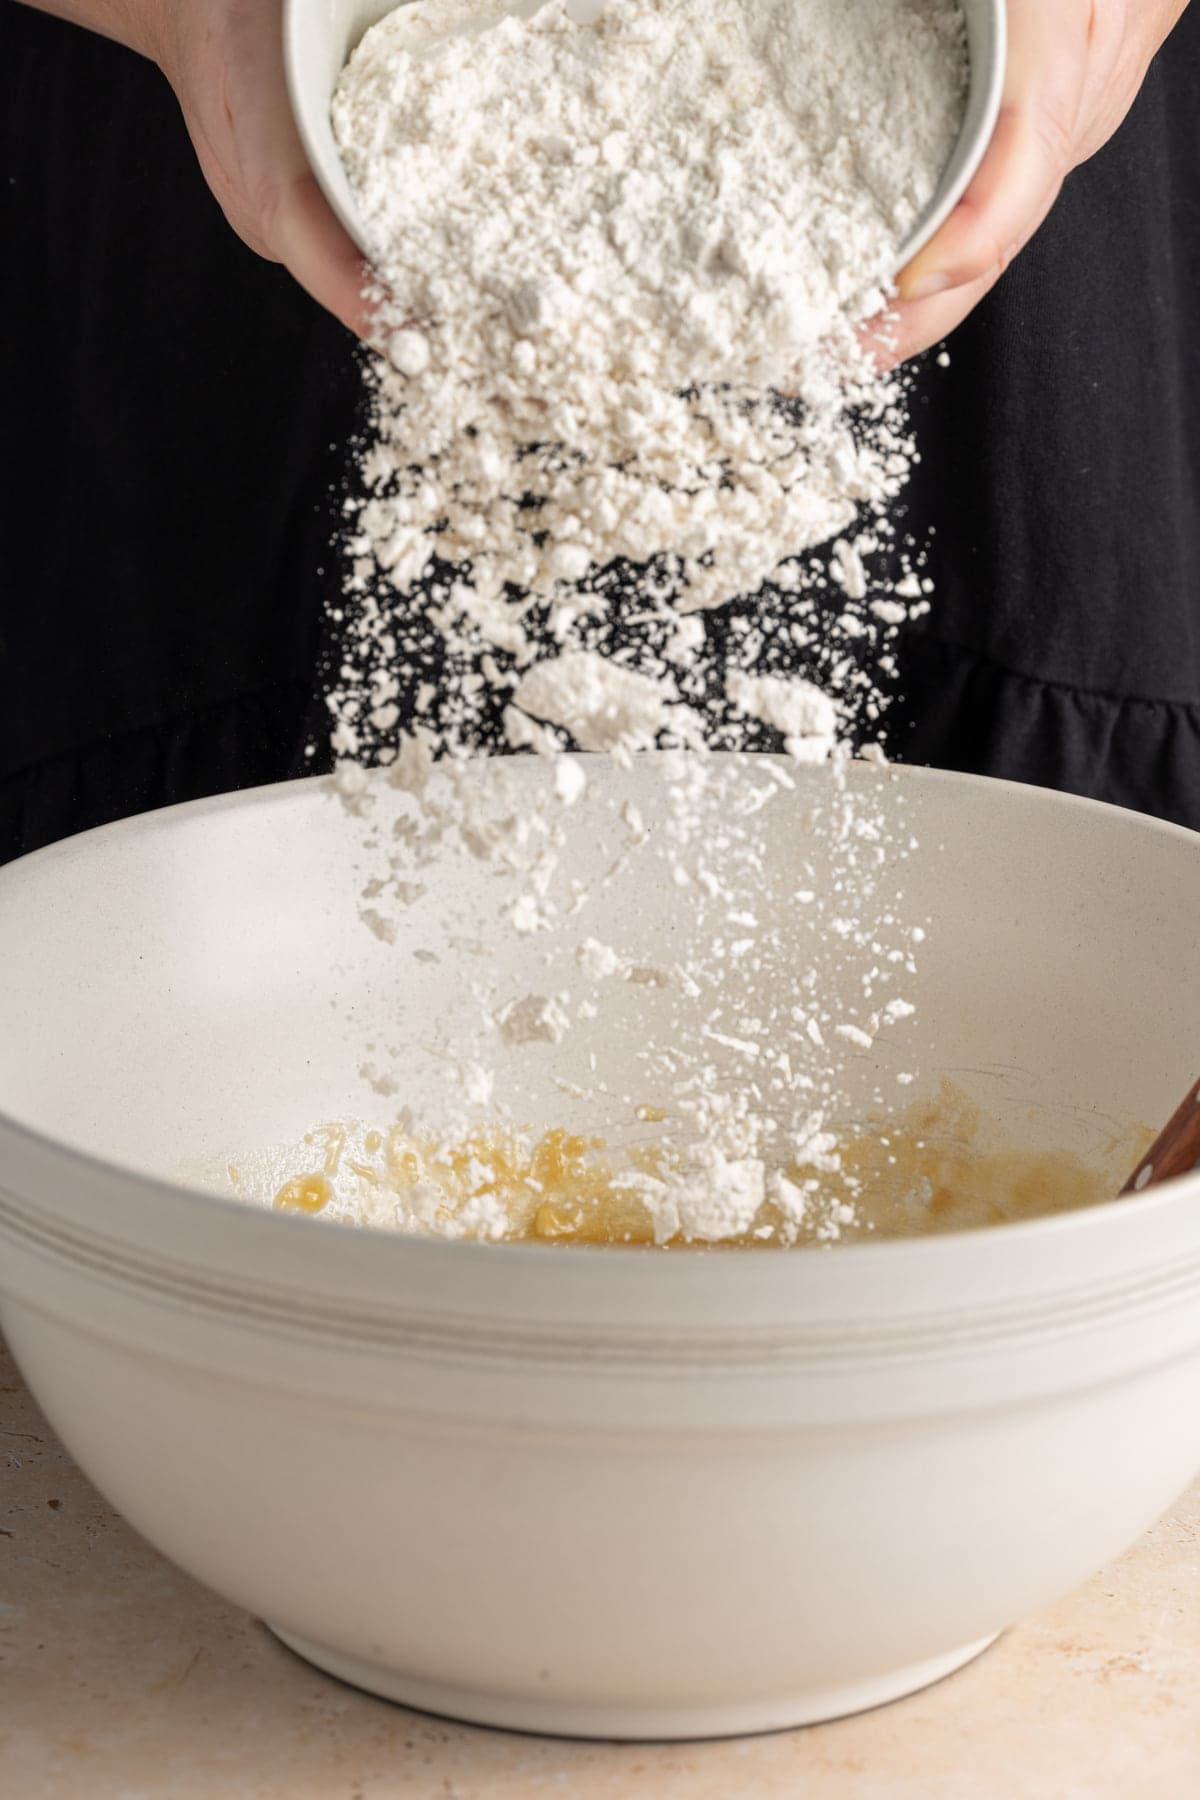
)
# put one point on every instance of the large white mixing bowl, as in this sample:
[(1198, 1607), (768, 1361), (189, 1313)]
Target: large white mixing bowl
[(318, 36), (614, 1492)]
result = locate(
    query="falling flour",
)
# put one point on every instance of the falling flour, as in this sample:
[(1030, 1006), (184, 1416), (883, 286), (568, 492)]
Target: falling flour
[(628, 484), (621, 264)]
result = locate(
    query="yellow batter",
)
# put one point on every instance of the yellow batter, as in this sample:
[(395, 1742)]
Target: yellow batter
[(937, 1167)]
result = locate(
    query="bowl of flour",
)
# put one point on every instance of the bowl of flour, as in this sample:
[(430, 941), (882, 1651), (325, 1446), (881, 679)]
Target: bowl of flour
[(875, 114)]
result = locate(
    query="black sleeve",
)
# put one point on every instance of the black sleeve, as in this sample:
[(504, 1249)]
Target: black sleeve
[(176, 414)]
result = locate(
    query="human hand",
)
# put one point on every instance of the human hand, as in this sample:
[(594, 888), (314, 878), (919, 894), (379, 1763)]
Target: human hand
[(224, 59), (1074, 70)]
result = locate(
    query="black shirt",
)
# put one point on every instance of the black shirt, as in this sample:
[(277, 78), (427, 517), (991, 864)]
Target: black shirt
[(176, 415)]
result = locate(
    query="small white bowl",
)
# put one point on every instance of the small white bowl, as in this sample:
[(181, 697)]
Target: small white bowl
[(613, 1493), (319, 35)]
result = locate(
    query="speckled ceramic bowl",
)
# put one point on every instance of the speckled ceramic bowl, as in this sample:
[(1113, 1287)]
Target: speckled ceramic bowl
[(319, 35), (604, 1492)]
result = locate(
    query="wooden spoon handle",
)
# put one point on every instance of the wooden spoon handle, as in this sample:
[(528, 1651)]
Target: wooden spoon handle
[(1175, 1151)]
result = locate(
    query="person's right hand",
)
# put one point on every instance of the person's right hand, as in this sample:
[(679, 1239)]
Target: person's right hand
[(224, 59)]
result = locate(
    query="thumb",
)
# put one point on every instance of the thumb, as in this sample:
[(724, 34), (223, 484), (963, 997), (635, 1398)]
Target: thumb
[(303, 233), (1029, 156)]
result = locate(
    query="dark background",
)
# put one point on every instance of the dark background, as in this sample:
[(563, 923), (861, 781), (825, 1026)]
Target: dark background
[(176, 415)]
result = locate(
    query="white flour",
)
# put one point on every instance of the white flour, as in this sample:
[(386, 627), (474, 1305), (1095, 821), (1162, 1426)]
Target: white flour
[(621, 270), (680, 192), (605, 252)]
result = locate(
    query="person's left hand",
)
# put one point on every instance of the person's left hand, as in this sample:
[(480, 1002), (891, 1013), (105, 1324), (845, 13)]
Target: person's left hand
[(1074, 70)]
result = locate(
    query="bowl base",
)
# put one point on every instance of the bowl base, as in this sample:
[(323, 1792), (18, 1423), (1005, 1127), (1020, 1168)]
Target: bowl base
[(551, 1718)]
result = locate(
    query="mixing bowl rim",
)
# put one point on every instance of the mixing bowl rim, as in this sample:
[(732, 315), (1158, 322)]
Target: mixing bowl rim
[(946, 1245), (863, 769)]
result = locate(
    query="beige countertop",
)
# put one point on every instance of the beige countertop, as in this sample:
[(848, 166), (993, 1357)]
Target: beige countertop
[(120, 1679)]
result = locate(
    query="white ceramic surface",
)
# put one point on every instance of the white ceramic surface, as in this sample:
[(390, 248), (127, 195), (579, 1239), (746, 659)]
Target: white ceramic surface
[(612, 1493), (318, 36)]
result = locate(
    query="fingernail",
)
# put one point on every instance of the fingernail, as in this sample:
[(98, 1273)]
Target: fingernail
[(923, 286)]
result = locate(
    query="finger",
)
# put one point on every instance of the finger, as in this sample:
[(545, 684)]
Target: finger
[(279, 207), (1027, 160), (305, 235), (917, 325)]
